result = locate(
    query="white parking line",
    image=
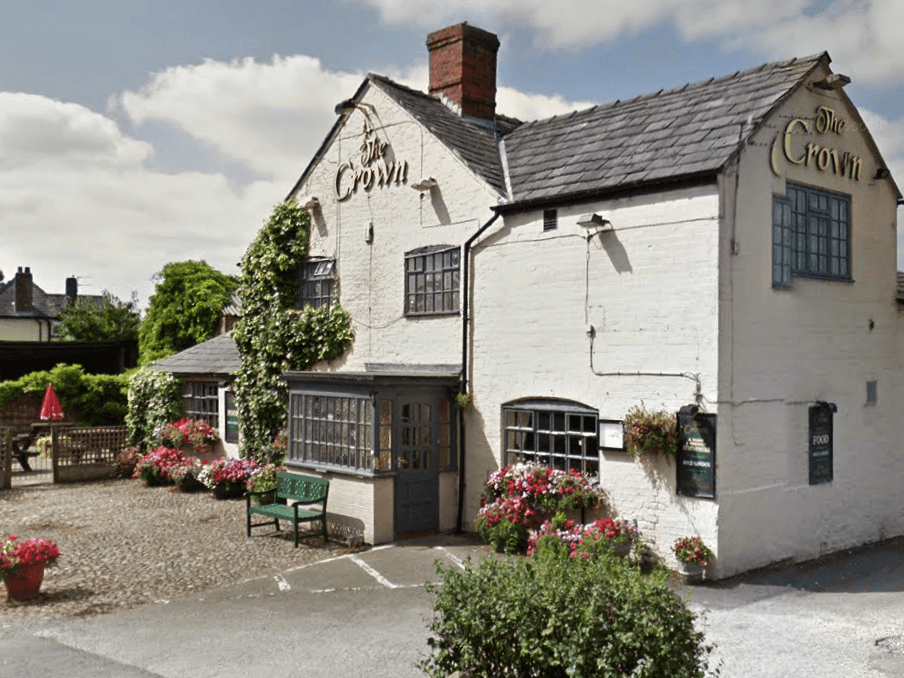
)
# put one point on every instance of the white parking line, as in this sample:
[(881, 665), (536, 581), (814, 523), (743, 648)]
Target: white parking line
[(373, 573), (451, 556), (282, 583)]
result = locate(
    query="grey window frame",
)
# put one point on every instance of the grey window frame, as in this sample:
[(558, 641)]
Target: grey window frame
[(201, 400), (316, 282), (433, 281), (524, 433), (332, 430), (811, 235)]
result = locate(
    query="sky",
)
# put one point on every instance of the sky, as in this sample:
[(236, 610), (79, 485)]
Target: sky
[(137, 133)]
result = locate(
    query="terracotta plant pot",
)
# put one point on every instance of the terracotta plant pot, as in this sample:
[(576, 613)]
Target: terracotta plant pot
[(26, 583)]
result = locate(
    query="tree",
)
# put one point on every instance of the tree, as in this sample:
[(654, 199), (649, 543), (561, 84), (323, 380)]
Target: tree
[(111, 320), (185, 308)]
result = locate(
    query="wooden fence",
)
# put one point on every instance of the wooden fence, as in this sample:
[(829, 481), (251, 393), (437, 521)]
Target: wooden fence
[(86, 453)]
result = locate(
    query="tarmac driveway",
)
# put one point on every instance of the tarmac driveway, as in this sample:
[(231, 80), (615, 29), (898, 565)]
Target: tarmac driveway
[(366, 614)]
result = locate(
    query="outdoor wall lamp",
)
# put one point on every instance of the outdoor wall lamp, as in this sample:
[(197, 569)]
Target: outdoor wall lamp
[(594, 220), (310, 203), (424, 185)]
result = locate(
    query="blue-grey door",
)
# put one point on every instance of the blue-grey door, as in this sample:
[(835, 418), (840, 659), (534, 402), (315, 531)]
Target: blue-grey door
[(417, 465)]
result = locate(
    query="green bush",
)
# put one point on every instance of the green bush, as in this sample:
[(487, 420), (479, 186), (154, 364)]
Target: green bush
[(93, 399), (550, 616), (154, 400)]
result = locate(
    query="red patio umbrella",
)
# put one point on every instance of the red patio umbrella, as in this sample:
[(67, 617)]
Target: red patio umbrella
[(50, 408)]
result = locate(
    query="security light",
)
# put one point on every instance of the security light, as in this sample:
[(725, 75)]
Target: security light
[(594, 221), (424, 184)]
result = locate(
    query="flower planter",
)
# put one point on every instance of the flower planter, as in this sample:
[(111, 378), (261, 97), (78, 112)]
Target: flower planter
[(228, 490), (262, 499), (26, 583), (691, 573), (620, 550), (190, 484)]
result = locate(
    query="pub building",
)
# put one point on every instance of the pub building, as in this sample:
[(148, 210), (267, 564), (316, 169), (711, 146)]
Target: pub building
[(723, 250)]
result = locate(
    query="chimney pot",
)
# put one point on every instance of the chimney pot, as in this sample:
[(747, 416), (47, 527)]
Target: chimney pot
[(71, 290), (463, 67)]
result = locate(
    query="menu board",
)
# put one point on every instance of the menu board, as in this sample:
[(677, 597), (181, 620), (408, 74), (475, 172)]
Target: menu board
[(696, 454), (820, 440)]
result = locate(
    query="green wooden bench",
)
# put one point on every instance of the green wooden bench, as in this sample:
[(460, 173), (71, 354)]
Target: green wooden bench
[(293, 491)]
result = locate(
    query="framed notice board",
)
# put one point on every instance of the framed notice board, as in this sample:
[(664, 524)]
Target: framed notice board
[(820, 444), (232, 419), (696, 454)]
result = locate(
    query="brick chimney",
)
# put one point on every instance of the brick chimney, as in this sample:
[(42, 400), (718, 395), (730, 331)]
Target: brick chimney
[(24, 290), (463, 67), (71, 290)]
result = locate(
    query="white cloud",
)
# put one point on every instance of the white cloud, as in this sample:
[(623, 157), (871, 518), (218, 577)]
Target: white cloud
[(269, 116), (863, 35), (77, 199)]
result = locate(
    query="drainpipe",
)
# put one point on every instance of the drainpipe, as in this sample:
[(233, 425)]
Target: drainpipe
[(466, 255)]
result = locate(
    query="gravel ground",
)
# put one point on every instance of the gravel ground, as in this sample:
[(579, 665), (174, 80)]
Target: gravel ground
[(124, 544)]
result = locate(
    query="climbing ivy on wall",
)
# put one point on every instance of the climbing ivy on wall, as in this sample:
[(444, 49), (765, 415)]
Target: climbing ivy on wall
[(273, 336)]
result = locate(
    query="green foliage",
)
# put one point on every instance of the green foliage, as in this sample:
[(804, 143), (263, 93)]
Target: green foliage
[(113, 320), (551, 616), (185, 308), (93, 399), (154, 399), (274, 337), (649, 432)]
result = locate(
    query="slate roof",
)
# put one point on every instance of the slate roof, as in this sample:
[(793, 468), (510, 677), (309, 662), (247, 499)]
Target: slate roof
[(215, 357), (472, 140), (691, 130)]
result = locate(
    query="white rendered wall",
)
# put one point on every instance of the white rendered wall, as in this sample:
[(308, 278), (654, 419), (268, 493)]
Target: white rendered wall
[(371, 276), (783, 349), (648, 288)]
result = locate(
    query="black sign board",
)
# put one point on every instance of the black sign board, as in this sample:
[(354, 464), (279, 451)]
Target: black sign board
[(821, 444), (232, 419), (696, 453)]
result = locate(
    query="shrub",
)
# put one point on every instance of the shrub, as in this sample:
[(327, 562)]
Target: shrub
[(92, 399), (228, 472), (552, 617), (154, 400)]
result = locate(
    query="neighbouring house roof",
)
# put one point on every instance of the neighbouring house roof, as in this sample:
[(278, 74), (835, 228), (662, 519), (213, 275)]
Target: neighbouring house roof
[(44, 305), (217, 357)]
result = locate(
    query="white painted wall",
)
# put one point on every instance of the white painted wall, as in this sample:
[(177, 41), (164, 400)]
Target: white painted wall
[(783, 349), (649, 289), (371, 276)]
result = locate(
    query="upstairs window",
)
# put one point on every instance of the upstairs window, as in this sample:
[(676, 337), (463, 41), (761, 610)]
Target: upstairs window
[(432, 280), (316, 283), (811, 232)]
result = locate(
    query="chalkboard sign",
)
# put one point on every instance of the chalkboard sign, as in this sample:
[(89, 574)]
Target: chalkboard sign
[(696, 453), (821, 444), (232, 419)]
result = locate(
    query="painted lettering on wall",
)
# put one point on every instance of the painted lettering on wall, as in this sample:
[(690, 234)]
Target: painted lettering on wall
[(374, 169), (824, 157)]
